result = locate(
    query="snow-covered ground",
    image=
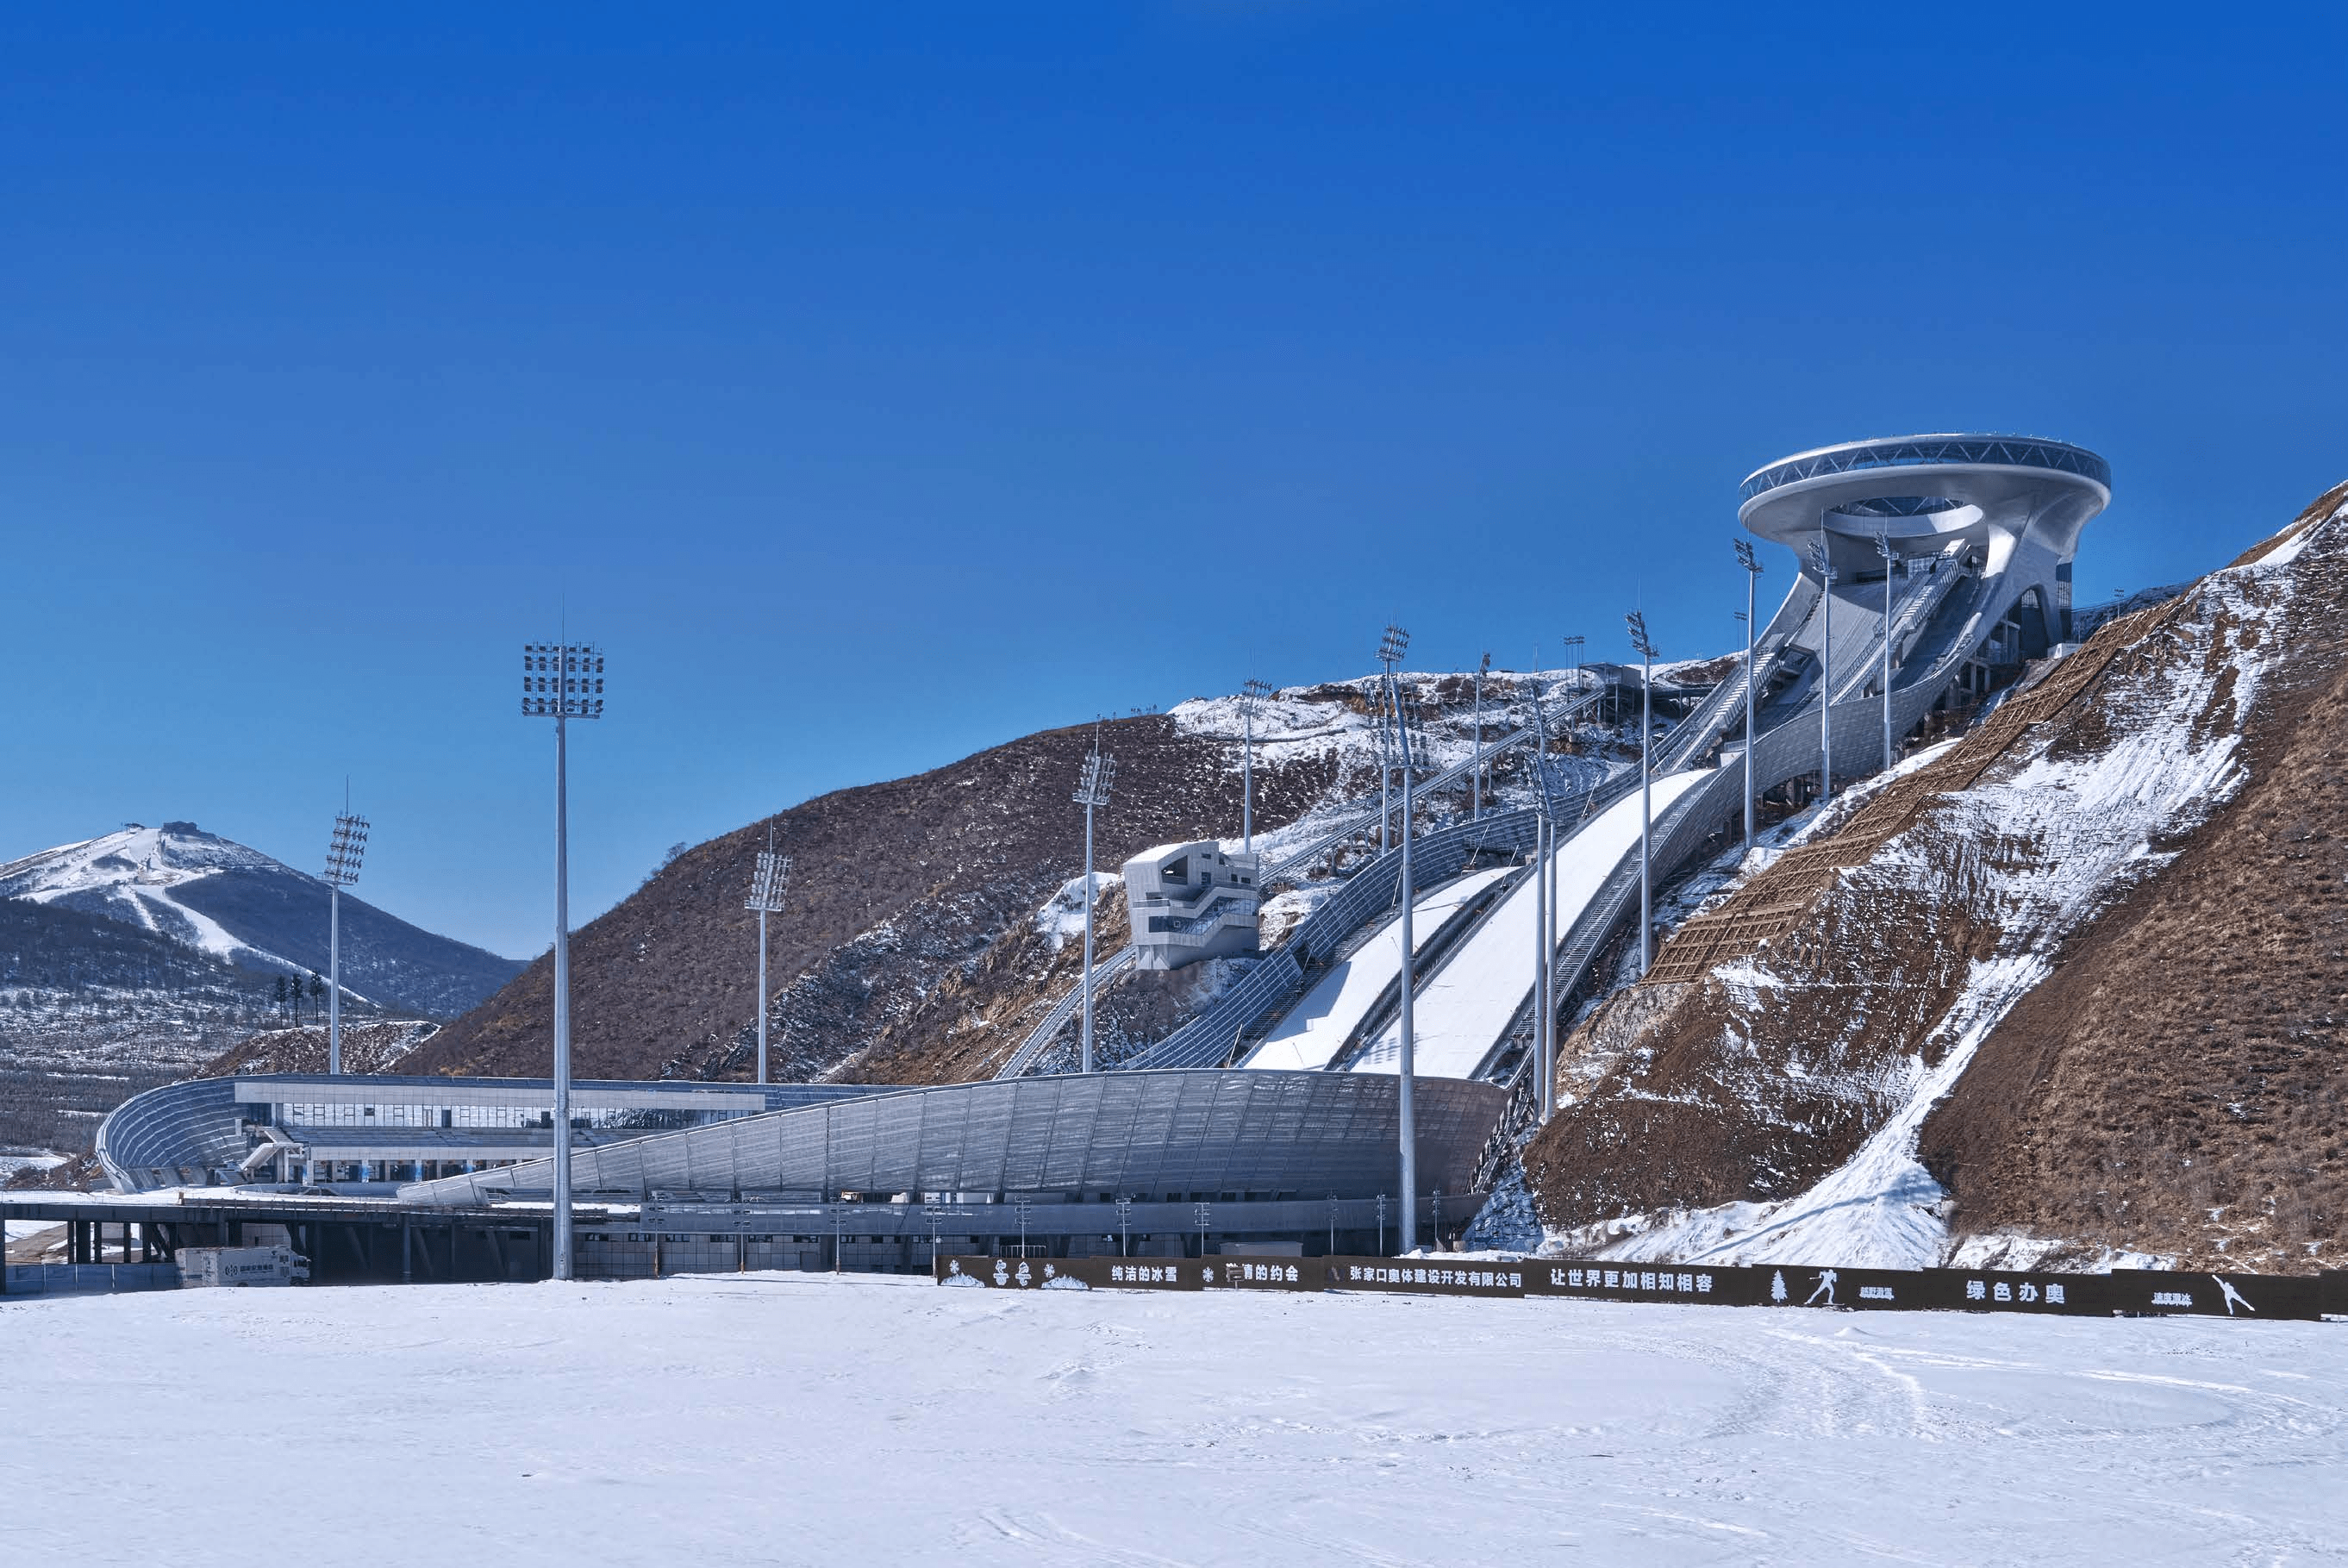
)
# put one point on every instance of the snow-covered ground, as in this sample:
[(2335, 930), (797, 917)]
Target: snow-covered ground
[(796, 1419)]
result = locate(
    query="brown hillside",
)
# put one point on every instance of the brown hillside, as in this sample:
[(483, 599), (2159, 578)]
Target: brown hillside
[(895, 888), (2179, 1084), (2139, 1010)]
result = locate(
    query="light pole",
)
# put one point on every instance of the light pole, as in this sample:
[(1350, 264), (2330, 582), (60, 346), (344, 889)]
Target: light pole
[(1825, 564), (1251, 694), (1646, 652), (1476, 774), (1752, 564), (1092, 790), (1544, 855), (1883, 548), (561, 681), (1124, 1227), (344, 851), (1385, 777), (767, 885), (1391, 648)]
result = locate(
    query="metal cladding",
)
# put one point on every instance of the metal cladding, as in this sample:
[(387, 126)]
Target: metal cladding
[(200, 1132), (1257, 1134)]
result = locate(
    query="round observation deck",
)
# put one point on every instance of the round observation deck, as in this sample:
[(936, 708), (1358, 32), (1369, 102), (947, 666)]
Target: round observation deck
[(1920, 492)]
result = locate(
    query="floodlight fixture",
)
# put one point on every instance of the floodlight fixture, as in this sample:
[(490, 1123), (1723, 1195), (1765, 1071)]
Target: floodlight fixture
[(1093, 786), (1098, 777), (768, 883), (1646, 648), (1392, 646), (344, 850), (562, 680)]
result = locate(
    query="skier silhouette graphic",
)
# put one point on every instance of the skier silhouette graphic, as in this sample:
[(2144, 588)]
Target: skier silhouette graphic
[(1826, 1288), (2232, 1295)]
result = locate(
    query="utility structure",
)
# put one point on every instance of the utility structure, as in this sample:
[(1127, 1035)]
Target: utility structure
[(1752, 564), (1252, 693), (1890, 558), (1823, 563), (561, 681), (344, 852), (769, 883), (1476, 773), (1092, 790), (1544, 896), (1391, 648), (1646, 649)]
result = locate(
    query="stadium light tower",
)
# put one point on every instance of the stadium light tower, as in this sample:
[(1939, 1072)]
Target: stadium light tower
[(1544, 859), (1752, 564), (1825, 564), (1883, 548), (1391, 648), (1092, 790), (561, 681), (1251, 694), (344, 852), (1476, 774), (1646, 652), (767, 885)]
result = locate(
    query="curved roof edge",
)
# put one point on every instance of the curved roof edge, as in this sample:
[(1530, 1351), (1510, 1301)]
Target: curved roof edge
[(1915, 451)]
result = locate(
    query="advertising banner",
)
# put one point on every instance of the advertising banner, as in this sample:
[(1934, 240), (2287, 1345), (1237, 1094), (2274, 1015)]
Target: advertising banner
[(2130, 1292)]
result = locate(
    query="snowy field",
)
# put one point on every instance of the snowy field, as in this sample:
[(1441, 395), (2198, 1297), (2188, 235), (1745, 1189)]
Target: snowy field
[(789, 1419)]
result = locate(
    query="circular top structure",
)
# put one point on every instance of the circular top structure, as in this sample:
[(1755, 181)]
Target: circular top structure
[(1921, 491), (1929, 451)]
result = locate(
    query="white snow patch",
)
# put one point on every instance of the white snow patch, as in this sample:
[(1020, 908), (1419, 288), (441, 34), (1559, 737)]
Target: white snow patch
[(1062, 919), (984, 1427)]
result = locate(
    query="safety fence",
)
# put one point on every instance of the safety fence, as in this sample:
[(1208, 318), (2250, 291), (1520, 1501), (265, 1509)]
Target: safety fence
[(2122, 1292), (75, 1279)]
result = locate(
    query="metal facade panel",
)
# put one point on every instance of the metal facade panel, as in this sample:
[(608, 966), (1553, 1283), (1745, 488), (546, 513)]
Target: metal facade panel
[(1153, 1133)]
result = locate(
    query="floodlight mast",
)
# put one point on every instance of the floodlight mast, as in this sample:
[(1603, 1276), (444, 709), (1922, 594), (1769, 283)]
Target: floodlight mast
[(1752, 564), (561, 681), (344, 852), (1476, 774), (1825, 565), (1544, 855), (1391, 648), (767, 885), (1646, 649), (1251, 694), (1883, 678), (1092, 790)]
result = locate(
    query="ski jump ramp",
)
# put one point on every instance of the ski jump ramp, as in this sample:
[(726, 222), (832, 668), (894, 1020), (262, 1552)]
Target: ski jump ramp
[(1982, 532), (1464, 1010)]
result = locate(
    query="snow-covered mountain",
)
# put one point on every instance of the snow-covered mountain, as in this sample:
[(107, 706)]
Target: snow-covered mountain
[(241, 907)]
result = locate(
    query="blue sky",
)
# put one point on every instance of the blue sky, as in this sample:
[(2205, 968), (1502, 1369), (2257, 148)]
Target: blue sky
[(878, 384)]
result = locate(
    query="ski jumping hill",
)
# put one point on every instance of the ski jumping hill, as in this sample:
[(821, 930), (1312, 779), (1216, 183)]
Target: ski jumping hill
[(2068, 989)]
